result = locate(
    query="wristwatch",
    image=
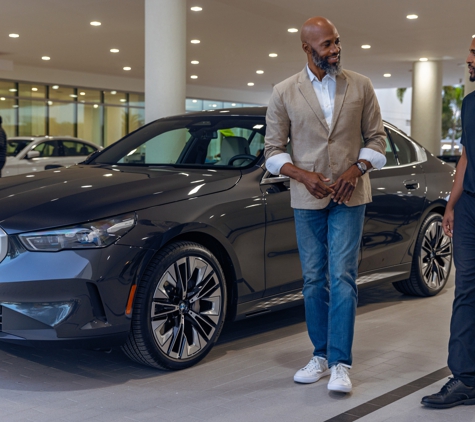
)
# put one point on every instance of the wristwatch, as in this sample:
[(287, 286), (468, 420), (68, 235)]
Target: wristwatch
[(362, 167)]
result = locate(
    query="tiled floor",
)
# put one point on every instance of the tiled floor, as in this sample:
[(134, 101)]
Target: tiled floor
[(247, 376)]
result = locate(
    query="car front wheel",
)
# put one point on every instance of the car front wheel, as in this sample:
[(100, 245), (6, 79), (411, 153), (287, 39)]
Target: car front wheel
[(179, 308), (431, 262)]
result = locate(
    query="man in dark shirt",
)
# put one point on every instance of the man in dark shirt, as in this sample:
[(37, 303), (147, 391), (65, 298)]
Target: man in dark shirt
[(459, 223), (3, 146)]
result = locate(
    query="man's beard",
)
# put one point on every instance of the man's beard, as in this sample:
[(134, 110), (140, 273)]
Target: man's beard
[(472, 78), (322, 63)]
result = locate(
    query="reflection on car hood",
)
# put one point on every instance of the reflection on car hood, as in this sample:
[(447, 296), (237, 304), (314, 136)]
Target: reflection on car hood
[(62, 197)]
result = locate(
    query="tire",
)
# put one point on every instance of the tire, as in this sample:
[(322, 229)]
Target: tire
[(432, 260), (175, 325)]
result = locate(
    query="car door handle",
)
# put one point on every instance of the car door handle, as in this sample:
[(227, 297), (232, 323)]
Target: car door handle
[(411, 184)]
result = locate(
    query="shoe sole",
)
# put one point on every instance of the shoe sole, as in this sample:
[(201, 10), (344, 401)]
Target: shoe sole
[(339, 389), (449, 405), (311, 380)]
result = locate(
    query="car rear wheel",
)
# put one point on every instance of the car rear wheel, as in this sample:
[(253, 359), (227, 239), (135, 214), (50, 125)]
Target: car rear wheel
[(432, 260), (179, 308)]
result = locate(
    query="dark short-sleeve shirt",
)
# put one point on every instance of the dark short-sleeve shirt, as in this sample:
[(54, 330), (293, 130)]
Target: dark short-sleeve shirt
[(468, 140)]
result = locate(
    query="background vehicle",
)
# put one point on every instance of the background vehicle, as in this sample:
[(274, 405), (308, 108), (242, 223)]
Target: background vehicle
[(38, 153), (154, 241)]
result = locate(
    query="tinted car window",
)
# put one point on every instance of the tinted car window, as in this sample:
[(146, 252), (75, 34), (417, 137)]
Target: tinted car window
[(405, 152), (14, 146), (223, 142), (47, 149), (390, 157), (73, 148)]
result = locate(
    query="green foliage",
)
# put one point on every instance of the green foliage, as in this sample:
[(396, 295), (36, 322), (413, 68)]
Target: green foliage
[(400, 94), (452, 97)]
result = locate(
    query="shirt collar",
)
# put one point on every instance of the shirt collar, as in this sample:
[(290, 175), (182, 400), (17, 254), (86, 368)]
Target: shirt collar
[(314, 78)]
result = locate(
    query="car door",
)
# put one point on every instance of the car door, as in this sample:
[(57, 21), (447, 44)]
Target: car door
[(48, 153), (398, 191)]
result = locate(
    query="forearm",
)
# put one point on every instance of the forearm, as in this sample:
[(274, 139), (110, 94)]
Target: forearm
[(457, 187)]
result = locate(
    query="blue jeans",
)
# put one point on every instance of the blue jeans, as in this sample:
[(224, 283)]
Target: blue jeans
[(328, 242)]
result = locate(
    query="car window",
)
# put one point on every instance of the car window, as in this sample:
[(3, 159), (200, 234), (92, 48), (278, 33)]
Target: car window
[(74, 148), (390, 156), (15, 146), (47, 149), (405, 152), (216, 141)]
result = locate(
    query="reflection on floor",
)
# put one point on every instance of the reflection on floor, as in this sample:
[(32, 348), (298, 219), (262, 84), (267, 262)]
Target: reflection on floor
[(248, 375)]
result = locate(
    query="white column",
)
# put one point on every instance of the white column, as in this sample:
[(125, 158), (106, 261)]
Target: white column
[(165, 58), (468, 85), (426, 113)]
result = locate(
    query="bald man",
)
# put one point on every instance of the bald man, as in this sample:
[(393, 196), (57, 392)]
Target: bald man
[(316, 121)]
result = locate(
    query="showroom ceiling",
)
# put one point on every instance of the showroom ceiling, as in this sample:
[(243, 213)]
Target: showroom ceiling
[(237, 37)]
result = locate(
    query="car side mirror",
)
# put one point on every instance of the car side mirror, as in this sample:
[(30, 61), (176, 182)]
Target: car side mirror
[(32, 154)]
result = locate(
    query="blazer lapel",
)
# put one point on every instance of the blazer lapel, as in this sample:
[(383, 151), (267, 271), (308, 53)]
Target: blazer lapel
[(341, 86), (306, 89)]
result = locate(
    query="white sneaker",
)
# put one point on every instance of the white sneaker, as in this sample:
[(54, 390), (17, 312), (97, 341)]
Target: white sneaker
[(315, 369), (339, 380)]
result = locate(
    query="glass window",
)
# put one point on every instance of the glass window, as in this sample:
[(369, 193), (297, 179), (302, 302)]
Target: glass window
[(37, 91), (90, 122), (115, 97), (47, 149), (193, 105), (390, 157), (32, 116), (136, 118), (115, 123), (61, 118), (89, 95), (137, 100), (64, 93), (8, 110), (8, 88), (211, 105), (15, 146), (231, 105), (405, 152), (75, 149)]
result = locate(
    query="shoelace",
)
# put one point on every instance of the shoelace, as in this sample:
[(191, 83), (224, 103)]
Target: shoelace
[(341, 371), (450, 384), (313, 364)]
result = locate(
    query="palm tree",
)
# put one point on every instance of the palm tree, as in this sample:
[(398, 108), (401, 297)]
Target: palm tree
[(452, 97)]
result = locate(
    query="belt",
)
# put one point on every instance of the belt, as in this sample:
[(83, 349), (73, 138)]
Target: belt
[(469, 193)]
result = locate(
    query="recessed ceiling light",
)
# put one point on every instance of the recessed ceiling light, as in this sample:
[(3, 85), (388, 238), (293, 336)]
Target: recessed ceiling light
[(95, 23), (412, 16), (46, 58), (123, 100), (215, 105), (195, 101), (2, 98), (114, 50), (73, 95), (259, 72), (250, 84), (113, 92), (34, 89), (273, 55), (194, 77), (12, 90), (82, 93), (387, 75), (423, 59), (127, 68), (233, 104), (50, 102), (195, 41), (195, 62), (13, 35), (196, 8), (292, 30), (95, 106), (55, 86), (473, 36), (366, 46)]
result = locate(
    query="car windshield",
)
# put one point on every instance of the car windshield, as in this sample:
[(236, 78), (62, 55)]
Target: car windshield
[(15, 146), (190, 141)]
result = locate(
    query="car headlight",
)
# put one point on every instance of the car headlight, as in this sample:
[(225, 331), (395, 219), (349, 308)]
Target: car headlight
[(95, 234)]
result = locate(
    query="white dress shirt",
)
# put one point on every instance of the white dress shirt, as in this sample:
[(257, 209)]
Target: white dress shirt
[(325, 91)]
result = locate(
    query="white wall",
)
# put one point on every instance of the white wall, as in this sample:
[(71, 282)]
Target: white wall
[(393, 111)]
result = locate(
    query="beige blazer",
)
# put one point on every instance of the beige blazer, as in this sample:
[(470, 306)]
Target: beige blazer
[(294, 112)]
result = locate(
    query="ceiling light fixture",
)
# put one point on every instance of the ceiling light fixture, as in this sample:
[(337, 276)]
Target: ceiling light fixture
[(82, 93), (233, 104), (2, 98), (412, 16), (273, 55), (196, 8), (12, 89), (114, 50), (46, 58), (195, 62), (95, 23), (34, 89), (123, 100), (194, 77), (259, 72), (387, 75), (195, 41), (13, 35), (423, 59), (366, 46), (113, 92), (473, 36), (95, 106), (195, 101), (55, 86), (292, 30), (250, 84), (127, 68)]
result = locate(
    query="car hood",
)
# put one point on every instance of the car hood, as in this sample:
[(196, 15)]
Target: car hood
[(81, 193)]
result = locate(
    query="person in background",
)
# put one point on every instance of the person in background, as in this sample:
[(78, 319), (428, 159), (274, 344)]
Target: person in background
[(326, 111), (3, 146)]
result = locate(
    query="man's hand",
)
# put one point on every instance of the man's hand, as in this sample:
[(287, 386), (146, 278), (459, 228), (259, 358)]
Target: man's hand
[(448, 222), (316, 184), (345, 185)]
